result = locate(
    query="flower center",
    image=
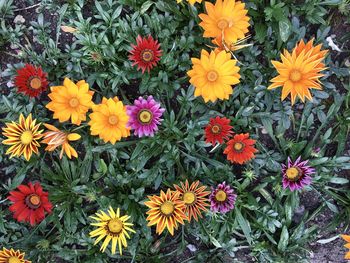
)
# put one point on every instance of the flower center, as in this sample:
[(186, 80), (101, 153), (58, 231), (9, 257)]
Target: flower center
[(145, 116), (33, 201), (147, 55), (115, 225), (113, 120), (212, 75), (295, 75), (27, 137), (293, 173), (167, 208), (189, 198), (216, 129), (73, 102), (14, 260), (223, 23), (35, 83), (220, 196), (238, 146)]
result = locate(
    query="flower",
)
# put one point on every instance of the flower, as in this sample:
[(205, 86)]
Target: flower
[(29, 203), (192, 2), (12, 256), (55, 138), (194, 198), (146, 53), (218, 130), (213, 74), (109, 120), (166, 210), (70, 101), (144, 116), (226, 20), (299, 71), (23, 137), (31, 80), (347, 245), (112, 227), (222, 198), (296, 175), (240, 149)]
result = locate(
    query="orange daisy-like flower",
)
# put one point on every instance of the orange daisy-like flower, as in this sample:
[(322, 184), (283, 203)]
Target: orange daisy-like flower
[(194, 198), (347, 239), (299, 71), (218, 130), (240, 149), (192, 2), (12, 256), (70, 101), (166, 210), (226, 20), (55, 138)]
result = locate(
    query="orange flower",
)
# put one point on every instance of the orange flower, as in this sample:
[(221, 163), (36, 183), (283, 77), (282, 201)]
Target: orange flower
[(347, 245), (194, 198), (240, 149)]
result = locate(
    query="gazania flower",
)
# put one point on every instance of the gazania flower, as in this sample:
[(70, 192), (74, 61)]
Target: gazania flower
[(192, 2), (30, 203), (347, 245), (31, 80), (166, 210), (55, 138), (23, 137), (109, 120), (222, 198), (212, 75), (12, 256), (146, 53), (194, 198), (296, 174), (218, 130), (113, 227), (226, 20), (299, 71), (240, 149), (145, 116), (70, 101)]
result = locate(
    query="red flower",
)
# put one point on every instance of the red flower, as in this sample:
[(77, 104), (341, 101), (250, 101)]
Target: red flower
[(146, 53), (29, 203), (240, 149), (217, 130), (31, 80)]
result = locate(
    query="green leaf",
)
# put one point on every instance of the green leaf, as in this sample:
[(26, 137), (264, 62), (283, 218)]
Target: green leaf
[(338, 180), (284, 28), (145, 6), (244, 224), (282, 244)]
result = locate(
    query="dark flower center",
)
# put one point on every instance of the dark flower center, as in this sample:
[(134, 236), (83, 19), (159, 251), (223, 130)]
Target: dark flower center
[(216, 129), (147, 55)]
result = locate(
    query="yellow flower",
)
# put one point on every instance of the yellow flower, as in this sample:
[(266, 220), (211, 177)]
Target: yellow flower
[(192, 2), (70, 101), (347, 245), (226, 20), (23, 137), (112, 227), (299, 71), (166, 210), (12, 256), (109, 120), (213, 74), (55, 138)]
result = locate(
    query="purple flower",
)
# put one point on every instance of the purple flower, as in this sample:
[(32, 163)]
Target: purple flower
[(222, 198), (144, 116), (296, 175)]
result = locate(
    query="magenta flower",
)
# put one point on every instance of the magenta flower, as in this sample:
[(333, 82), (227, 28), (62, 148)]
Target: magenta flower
[(296, 175), (145, 116), (222, 199)]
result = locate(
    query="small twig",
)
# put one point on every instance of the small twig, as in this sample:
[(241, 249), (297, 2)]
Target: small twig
[(28, 7)]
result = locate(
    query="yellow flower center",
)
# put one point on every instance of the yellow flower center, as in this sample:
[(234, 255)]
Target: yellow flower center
[(115, 225), (238, 146), (212, 75), (145, 116), (189, 198), (293, 173), (167, 208), (73, 102), (33, 201), (14, 260), (295, 75), (147, 55), (27, 137), (220, 196), (113, 120), (223, 23), (216, 129), (35, 83)]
